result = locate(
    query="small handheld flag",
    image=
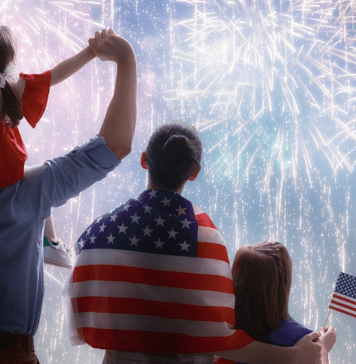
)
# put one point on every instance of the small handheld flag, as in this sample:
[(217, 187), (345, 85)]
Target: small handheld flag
[(344, 296)]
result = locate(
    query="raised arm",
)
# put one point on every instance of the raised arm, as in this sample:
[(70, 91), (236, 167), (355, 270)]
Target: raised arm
[(70, 66), (120, 119), (304, 351)]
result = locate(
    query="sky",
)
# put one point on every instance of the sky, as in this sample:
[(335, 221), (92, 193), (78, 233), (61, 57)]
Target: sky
[(269, 86)]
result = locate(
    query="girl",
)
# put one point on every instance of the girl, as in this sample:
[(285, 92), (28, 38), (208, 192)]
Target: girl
[(262, 276), (26, 96)]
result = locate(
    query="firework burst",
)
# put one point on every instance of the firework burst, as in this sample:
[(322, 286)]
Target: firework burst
[(278, 75), (47, 27)]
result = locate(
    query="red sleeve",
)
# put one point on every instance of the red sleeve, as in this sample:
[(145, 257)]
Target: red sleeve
[(35, 96), (12, 155)]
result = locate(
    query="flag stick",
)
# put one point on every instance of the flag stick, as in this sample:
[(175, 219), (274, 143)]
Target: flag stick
[(327, 318)]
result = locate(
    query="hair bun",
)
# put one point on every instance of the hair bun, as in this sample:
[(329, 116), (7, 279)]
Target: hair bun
[(174, 146)]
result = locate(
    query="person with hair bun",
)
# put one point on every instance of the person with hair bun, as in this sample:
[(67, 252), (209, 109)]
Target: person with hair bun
[(152, 281), (262, 275)]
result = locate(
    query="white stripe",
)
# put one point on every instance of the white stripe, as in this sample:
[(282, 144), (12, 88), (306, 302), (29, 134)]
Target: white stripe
[(154, 261), (342, 308), (152, 293), (353, 305), (210, 235), (152, 324), (341, 296), (197, 210)]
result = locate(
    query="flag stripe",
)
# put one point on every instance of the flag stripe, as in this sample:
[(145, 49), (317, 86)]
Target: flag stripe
[(339, 304), (204, 220), (113, 321), (150, 276), (343, 311), (153, 261), (164, 343), (224, 361), (212, 251), (151, 293), (136, 306), (342, 298), (209, 235)]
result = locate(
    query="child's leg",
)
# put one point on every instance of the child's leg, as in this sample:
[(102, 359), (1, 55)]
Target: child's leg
[(49, 231), (55, 251)]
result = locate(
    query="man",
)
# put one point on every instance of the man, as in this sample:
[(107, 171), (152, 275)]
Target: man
[(25, 205)]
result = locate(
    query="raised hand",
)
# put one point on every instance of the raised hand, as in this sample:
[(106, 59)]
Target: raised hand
[(108, 46)]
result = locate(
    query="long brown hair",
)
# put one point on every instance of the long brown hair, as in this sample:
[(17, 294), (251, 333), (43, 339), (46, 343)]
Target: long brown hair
[(262, 276), (11, 105)]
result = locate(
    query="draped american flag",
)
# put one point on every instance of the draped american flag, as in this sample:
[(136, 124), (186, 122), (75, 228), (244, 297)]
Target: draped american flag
[(344, 296), (153, 276)]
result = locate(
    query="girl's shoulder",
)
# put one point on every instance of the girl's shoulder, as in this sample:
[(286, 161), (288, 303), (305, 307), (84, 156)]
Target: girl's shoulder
[(289, 333)]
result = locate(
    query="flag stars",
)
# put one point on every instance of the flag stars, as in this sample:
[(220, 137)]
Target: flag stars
[(181, 210), (134, 240), (135, 218), (122, 228), (147, 231), (113, 217), (81, 243), (126, 207), (166, 202), (172, 234), (102, 227), (185, 246), (159, 244), (152, 193), (186, 223), (110, 239), (92, 239), (160, 221), (88, 230), (147, 208)]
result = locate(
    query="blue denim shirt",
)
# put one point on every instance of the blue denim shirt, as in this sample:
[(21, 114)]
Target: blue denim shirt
[(24, 206)]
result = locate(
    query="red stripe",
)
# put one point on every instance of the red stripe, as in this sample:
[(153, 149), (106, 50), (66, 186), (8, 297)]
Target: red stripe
[(163, 343), (224, 361), (204, 220), (337, 309), (180, 311), (343, 305), (212, 251), (153, 277), (344, 299)]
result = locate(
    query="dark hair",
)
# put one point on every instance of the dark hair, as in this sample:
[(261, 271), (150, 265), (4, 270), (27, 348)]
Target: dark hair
[(173, 154), (262, 276), (11, 106)]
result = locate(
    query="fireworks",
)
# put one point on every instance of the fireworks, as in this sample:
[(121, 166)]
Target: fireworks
[(270, 84), (277, 76), (46, 27)]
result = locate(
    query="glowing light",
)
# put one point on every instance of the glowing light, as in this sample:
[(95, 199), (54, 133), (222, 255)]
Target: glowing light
[(272, 73), (270, 86)]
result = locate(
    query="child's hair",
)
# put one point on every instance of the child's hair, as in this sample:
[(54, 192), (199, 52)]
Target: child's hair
[(11, 106), (262, 276), (173, 154)]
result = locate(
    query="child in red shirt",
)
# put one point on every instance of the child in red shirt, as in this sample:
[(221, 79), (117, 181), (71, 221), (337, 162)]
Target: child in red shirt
[(26, 96)]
